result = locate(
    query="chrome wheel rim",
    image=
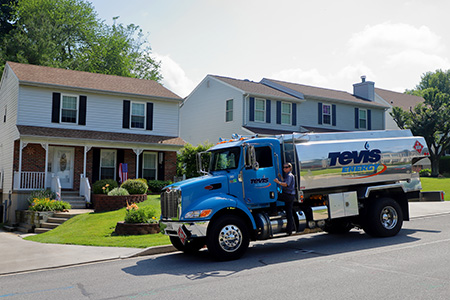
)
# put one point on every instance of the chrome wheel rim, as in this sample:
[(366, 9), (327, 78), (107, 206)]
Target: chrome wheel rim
[(230, 238), (389, 217)]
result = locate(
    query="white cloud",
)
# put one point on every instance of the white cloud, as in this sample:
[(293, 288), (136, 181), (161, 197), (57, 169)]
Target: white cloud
[(174, 77)]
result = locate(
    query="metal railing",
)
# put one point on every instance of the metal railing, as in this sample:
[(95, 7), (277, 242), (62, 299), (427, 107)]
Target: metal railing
[(85, 188), (29, 180), (56, 186)]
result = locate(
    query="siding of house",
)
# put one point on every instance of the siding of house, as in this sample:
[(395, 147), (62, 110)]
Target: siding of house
[(9, 91), (203, 119), (103, 112)]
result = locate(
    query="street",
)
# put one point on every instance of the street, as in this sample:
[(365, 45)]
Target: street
[(414, 264)]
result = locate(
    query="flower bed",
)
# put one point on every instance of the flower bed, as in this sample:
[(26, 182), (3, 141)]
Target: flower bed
[(123, 228), (103, 202)]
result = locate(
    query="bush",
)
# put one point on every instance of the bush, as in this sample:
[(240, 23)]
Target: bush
[(134, 214), (155, 186), (41, 194), (46, 204), (135, 186), (118, 191), (104, 186), (444, 164), (425, 173)]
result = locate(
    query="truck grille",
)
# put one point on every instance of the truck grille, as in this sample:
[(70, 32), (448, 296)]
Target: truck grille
[(170, 200)]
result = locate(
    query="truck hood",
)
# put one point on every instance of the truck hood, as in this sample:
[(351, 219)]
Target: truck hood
[(199, 187)]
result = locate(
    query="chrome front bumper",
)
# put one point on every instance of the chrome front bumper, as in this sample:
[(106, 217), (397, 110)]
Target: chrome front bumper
[(196, 229)]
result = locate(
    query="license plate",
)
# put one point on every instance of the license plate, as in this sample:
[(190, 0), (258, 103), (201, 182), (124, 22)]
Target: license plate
[(182, 235)]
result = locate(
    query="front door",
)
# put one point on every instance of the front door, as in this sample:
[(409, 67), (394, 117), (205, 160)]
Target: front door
[(62, 165)]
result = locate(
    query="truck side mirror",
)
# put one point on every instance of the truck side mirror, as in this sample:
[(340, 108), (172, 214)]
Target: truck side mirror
[(250, 157)]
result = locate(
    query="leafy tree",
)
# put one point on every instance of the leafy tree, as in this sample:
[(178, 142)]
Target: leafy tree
[(68, 34), (431, 118), (6, 16), (187, 160)]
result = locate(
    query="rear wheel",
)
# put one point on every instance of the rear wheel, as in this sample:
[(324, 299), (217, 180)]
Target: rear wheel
[(384, 218), (191, 246), (228, 238)]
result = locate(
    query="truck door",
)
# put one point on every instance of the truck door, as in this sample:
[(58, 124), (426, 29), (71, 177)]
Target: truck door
[(259, 186)]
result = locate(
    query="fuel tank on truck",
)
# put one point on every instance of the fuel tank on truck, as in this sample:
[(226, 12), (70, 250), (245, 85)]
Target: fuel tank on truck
[(350, 158)]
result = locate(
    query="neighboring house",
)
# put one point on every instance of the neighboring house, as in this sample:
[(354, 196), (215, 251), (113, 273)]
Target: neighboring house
[(395, 99), (220, 106), (78, 127)]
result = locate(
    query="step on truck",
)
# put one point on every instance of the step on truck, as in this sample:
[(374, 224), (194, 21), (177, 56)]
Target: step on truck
[(343, 181)]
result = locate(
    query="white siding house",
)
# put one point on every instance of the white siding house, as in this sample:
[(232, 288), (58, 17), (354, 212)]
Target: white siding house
[(220, 106), (78, 127)]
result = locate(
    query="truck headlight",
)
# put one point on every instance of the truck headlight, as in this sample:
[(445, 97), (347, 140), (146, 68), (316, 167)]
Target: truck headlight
[(194, 214)]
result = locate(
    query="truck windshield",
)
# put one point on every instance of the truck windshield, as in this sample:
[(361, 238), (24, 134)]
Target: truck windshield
[(225, 159)]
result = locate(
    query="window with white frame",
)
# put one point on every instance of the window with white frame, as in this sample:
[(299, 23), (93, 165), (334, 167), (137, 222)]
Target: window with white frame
[(137, 115), (362, 118), (108, 164), (286, 113), (229, 111), (260, 110), (150, 166), (69, 109), (326, 114)]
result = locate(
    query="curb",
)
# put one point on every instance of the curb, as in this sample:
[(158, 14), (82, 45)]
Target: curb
[(152, 251)]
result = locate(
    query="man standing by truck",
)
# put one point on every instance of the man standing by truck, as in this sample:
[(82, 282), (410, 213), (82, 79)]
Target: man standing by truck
[(287, 195)]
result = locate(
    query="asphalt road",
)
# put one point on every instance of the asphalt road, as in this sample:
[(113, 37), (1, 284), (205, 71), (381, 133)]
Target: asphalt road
[(415, 264)]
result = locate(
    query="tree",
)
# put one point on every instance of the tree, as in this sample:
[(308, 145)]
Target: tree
[(187, 160), (431, 118), (68, 34)]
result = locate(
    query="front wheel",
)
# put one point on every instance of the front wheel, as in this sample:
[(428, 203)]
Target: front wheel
[(228, 238), (384, 218)]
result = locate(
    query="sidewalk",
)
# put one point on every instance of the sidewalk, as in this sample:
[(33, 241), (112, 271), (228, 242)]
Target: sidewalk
[(37, 256)]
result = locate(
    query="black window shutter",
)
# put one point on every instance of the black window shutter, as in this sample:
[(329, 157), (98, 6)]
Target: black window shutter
[(320, 113), (56, 106), (149, 116), (333, 114), (82, 111), (268, 111), (369, 119), (278, 112), (356, 117), (252, 109), (126, 114), (294, 114), (95, 164), (161, 166)]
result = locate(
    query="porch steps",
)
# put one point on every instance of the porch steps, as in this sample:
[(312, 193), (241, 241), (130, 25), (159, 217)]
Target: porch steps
[(53, 222), (75, 200)]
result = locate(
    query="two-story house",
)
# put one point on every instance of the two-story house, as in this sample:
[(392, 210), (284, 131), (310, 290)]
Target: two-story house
[(72, 128), (220, 106)]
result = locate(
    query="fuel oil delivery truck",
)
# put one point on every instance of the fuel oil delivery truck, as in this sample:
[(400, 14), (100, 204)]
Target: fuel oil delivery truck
[(343, 180)]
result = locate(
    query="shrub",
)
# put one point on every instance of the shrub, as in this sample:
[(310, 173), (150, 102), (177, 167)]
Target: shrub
[(134, 214), (41, 194), (444, 164), (425, 173), (118, 191), (155, 186), (104, 186), (135, 186), (46, 204)]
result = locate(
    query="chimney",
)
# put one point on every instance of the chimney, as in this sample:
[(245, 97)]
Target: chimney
[(364, 89)]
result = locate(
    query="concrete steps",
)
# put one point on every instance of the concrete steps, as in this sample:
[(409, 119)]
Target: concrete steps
[(75, 200), (54, 221)]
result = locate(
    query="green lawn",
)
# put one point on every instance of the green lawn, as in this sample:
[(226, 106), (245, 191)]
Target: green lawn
[(96, 229), (436, 184)]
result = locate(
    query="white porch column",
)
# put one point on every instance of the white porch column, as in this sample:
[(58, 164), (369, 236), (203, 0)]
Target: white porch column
[(137, 152), (45, 146), (86, 150), (21, 146)]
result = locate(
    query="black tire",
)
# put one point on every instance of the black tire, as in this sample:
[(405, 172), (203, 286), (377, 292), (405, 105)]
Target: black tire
[(191, 246), (384, 218), (337, 227), (228, 238)]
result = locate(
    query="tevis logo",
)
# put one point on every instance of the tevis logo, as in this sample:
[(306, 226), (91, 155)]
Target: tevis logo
[(347, 157), (260, 183)]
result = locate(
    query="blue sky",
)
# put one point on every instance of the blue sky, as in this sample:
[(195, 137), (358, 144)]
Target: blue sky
[(325, 43)]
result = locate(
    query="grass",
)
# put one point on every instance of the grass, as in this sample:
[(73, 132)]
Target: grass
[(436, 184), (97, 229)]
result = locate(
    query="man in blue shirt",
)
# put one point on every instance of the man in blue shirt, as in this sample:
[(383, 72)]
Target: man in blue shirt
[(287, 195)]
